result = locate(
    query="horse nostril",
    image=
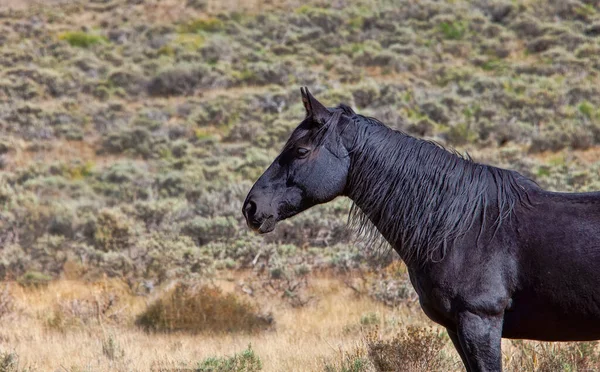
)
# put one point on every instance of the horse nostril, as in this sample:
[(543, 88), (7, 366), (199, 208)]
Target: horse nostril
[(250, 209)]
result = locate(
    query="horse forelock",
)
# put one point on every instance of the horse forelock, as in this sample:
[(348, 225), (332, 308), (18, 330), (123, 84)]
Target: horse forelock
[(315, 135)]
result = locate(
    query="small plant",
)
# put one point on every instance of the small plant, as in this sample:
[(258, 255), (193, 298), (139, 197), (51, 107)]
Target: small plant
[(6, 302), (9, 362), (112, 231), (354, 361), (369, 319), (586, 109), (453, 30), (206, 25), (82, 39), (289, 285), (246, 361), (111, 348), (98, 307), (34, 279), (181, 79)]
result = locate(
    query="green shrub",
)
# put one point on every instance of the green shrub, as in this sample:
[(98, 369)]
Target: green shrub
[(202, 309), (34, 279), (82, 39), (112, 231), (586, 109), (246, 361), (210, 229), (179, 80), (453, 30), (202, 24), (135, 141)]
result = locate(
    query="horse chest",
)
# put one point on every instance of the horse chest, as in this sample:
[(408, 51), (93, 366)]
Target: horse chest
[(435, 302)]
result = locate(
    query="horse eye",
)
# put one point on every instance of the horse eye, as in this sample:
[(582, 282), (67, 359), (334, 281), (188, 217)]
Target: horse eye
[(301, 152)]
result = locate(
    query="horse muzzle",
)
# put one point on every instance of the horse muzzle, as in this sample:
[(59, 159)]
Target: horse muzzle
[(258, 220)]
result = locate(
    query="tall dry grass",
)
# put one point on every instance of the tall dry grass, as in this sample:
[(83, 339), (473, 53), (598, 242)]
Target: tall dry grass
[(73, 325), (304, 339)]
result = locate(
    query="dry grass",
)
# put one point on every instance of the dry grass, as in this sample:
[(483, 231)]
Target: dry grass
[(304, 338), (335, 331), (22, 4)]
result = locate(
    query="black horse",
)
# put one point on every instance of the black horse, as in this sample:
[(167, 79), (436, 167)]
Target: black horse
[(489, 253)]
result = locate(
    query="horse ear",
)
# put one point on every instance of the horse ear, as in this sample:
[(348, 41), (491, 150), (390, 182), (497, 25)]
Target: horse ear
[(314, 108)]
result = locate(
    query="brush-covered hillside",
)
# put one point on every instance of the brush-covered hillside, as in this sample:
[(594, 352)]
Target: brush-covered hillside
[(131, 130)]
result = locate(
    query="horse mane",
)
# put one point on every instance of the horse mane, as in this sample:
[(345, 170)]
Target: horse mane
[(420, 196)]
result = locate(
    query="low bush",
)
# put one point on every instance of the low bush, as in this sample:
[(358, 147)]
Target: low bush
[(102, 304), (82, 39), (179, 80), (246, 361), (206, 230), (34, 279), (355, 361), (454, 30), (135, 141), (202, 24), (417, 349), (201, 309), (9, 362), (112, 231), (112, 349)]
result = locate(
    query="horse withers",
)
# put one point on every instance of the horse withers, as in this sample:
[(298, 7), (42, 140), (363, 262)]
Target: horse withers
[(489, 253)]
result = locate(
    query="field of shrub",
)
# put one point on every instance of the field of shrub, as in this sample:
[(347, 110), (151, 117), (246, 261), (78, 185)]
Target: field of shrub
[(131, 131)]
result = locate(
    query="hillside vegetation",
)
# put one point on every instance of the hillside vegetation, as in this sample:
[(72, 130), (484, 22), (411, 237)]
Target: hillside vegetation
[(131, 131)]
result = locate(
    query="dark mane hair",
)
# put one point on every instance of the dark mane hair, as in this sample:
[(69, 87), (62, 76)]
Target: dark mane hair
[(421, 196)]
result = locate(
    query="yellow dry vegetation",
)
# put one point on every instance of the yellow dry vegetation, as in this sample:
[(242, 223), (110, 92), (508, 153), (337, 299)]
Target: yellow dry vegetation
[(304, 339)]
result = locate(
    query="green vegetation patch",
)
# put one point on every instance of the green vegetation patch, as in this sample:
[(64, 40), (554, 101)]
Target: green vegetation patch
[(34, 279), (246, 361), (455, 30), (81, 39), (202, 25)]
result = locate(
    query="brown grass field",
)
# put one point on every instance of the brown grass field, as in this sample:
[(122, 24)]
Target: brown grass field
[(304, 339), (326, 332)]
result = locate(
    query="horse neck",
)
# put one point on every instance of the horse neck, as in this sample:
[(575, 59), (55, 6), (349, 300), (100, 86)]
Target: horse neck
[(404, 186)]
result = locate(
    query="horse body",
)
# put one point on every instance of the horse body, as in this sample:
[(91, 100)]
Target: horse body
[(489, 253), (543, 278), (557, 297)]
